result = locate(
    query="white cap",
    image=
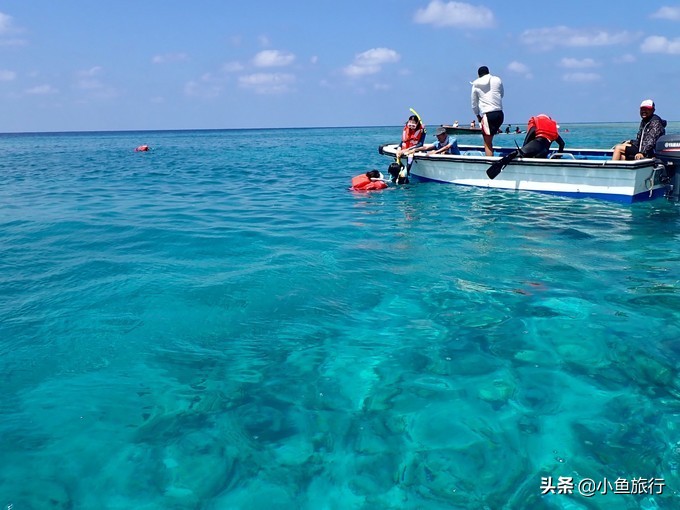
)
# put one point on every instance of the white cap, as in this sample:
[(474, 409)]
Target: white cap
[(647, 103)]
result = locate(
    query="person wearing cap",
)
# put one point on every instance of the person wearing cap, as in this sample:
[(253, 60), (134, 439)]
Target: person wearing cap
[(487, 104), (444, 144), (652, 127)]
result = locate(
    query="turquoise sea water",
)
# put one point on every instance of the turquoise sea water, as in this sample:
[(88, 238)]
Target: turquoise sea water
[(220, 324)]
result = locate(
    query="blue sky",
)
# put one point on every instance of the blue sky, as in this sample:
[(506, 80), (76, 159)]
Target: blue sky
[(73, 65)]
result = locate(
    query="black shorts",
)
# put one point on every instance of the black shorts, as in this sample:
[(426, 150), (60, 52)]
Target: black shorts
[(631, 151), (536, 148), (492, 122)]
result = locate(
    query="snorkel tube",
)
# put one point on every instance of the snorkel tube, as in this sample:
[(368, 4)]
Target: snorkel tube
[(419, 119)]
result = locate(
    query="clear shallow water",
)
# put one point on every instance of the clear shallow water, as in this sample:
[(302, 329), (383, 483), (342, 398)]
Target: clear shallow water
[(221, 324)]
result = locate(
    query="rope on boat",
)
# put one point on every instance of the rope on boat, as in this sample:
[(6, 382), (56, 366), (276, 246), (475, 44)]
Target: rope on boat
[(649, 181)]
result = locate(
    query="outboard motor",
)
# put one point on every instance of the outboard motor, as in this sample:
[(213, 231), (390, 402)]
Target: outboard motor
[(667, 159)]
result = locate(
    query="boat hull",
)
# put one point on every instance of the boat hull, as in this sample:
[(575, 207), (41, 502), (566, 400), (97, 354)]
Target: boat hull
[(462, 130), (591, 174)]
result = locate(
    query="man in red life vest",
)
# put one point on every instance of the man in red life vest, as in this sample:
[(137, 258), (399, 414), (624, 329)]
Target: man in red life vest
[(542, 131)]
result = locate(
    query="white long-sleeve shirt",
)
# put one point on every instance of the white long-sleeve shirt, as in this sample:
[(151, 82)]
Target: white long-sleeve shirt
[(487, 94)]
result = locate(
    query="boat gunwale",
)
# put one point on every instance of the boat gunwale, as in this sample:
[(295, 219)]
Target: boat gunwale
[(390, 150)]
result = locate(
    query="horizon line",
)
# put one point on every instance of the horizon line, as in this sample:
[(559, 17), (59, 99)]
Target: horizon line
[(96, 131)]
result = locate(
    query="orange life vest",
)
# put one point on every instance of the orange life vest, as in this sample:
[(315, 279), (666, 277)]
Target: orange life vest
[(411, 137), (545, 127), (364, 183)]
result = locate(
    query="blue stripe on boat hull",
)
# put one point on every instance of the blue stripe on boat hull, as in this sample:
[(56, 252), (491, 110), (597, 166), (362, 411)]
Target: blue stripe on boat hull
[(624, 199)]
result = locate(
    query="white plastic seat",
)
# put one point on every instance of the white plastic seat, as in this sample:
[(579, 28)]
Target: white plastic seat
[(561, 155), (473, 153)]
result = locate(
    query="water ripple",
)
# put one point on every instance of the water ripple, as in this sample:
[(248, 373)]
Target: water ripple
[(222, 317)]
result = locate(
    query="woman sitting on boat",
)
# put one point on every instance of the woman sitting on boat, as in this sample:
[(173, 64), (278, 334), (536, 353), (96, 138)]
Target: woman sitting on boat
[(413, 135)]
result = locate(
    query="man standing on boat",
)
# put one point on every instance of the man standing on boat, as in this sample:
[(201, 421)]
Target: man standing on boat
[(652, 127), (487, 105)]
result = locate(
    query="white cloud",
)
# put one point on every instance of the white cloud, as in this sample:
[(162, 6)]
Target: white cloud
[(371, 62), (169, 57), (356, 71), (575, 63), (267, 83), (669, 13), (206, 87), (519, 68), (454, 14), (92, 71), (547, 38), (88, 80), (41, 90), (625, 59), (232, 67), (12, 42), (659, 44), (313, 59), (580, 77), (89, 84), (377, 56), (263, 40), (7, 75), (8, 29), (273, 58), (6, 25)]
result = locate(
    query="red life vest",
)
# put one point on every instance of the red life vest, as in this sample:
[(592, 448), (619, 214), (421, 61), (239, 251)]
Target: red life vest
[(545, 127), (364, 183), (411, 137)]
